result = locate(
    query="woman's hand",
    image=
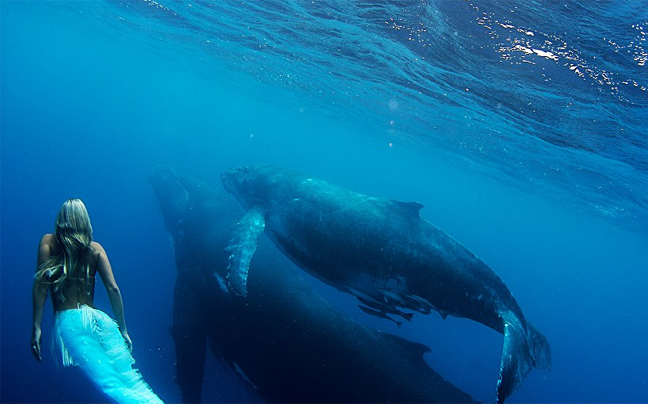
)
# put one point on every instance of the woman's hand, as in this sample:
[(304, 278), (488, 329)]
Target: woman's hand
[(129, 342), (36, 344)]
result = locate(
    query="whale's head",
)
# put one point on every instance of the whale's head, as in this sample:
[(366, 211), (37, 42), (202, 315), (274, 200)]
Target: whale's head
[(251, 185), (171, 191), (188, 205), (199, 218)]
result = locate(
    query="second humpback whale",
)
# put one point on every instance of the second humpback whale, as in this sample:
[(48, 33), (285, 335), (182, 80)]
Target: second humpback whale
[(382, 252)]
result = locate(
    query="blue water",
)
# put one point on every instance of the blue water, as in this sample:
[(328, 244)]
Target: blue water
[(521, 126)]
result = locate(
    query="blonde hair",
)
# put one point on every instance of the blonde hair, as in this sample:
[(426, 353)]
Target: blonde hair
[(73, 232)]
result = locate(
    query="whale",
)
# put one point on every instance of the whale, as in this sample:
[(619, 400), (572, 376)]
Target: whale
[(283, 342), (382, 252)]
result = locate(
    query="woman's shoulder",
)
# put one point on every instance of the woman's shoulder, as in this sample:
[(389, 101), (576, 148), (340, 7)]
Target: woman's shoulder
[(48, 238), (98, 253), (97, 248), (48, 243), (48, 248)]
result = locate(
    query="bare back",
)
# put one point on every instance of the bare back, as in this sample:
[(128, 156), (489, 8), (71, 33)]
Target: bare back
[(77, 290)]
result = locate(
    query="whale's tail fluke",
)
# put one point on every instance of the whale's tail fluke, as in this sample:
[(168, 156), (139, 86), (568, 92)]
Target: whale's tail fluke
[(524, 349)]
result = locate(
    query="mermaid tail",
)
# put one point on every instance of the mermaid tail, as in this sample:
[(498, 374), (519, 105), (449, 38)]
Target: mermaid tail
[(90, 339)]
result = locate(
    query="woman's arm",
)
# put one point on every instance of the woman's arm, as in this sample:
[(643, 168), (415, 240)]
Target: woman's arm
[(39, 295), (116, 301)]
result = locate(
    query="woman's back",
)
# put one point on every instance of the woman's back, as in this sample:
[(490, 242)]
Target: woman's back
[(77, 289)]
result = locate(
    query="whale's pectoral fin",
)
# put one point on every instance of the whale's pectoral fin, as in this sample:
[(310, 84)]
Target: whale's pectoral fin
[(517, 360), (539, 348), (242, 247)]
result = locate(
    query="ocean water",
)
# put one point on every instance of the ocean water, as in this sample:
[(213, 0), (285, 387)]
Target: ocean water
[(521, 126)]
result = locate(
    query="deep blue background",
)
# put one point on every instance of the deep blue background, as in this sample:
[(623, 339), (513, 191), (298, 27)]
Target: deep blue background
[(95, 93)]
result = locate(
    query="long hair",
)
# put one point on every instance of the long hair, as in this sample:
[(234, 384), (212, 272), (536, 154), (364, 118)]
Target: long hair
[(73, 232)]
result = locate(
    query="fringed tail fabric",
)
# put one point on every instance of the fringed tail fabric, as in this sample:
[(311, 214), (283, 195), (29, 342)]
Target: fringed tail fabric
[(90, 339)]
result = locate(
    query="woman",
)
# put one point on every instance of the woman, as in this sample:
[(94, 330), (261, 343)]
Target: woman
[(84, 336)]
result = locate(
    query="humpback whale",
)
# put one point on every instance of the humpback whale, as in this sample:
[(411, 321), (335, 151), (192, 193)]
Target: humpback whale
[(284, 340), (382, 252)]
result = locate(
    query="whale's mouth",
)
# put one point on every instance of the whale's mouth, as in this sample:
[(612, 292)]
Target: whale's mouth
[(226, 180), (235, 179)]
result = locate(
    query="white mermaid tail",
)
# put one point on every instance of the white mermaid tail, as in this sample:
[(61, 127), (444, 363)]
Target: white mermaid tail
[(90, 339)]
